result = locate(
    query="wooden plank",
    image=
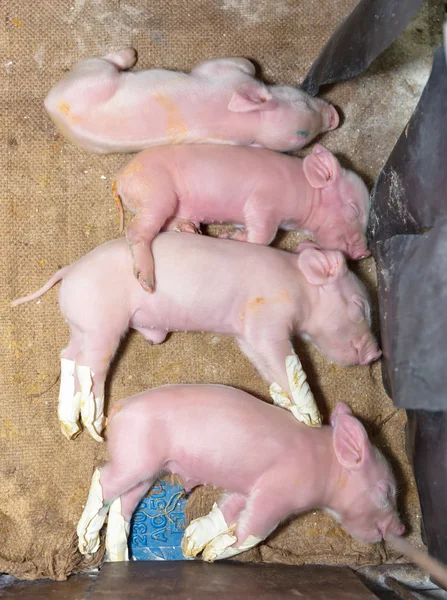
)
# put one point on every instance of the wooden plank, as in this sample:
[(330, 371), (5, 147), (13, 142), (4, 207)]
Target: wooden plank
[(185, 580), (200, 581), (77, 587)]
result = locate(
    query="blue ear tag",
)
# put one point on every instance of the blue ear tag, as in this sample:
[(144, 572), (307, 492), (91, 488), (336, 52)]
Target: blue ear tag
[(302, 132), (158, 524)]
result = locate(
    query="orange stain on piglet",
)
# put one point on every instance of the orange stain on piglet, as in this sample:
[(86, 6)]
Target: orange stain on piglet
[(256, 302), (177, 129), (115, 410), (65, 109), (131, 169), (283, 297)]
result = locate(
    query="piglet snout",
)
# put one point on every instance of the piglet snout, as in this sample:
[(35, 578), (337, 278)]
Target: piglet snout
[(369, 357), (357, 253), (393, 527), (357, 246), (367, 350)]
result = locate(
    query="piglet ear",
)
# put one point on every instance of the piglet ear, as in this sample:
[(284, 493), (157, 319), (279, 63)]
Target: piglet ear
[(340, 409), (251, 96), (320, 267), (351, 444), (321, 168)]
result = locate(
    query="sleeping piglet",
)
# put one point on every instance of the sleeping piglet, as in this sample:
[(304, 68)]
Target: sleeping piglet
[(179, 187), (258, 294), (103, 107), (270, 466)]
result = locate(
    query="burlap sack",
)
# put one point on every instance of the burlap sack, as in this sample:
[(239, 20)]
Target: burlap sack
[(57, 205)]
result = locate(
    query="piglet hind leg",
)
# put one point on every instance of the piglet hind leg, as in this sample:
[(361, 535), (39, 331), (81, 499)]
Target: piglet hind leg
[(114, 498), (222, 66), (106, 66), (122, 60), (92, 518), (94, 79), (92, 364), (69, 405), (118, 521)]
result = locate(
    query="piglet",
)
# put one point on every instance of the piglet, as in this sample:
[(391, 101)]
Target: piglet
[(180, 187), (224, 437), (260, 295), (103, 107)]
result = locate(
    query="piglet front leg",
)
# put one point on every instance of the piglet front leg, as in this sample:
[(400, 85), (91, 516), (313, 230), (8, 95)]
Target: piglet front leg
[(221, 520), (261, 226), (140, 234), (303, 405), (262, 514), (153, 201), (278, 364)]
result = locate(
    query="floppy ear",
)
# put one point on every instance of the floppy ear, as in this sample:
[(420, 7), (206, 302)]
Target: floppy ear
[(251, 96), (340, 409), (321, 168), (321, 266), (351, 444)]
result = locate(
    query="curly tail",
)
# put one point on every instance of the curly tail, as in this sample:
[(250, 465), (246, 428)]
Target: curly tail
[(49, 284)]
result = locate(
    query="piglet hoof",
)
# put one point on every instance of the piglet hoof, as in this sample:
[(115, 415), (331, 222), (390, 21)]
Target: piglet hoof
[(91, 521), (124, 59), (217, 547), (201, 531), (70, 430), (143, 266), (303, 405), (195, 538), (92, 407), (240, 235), (69, 405), (181, 226), (222, 547), (117, 534), (146, 283)]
